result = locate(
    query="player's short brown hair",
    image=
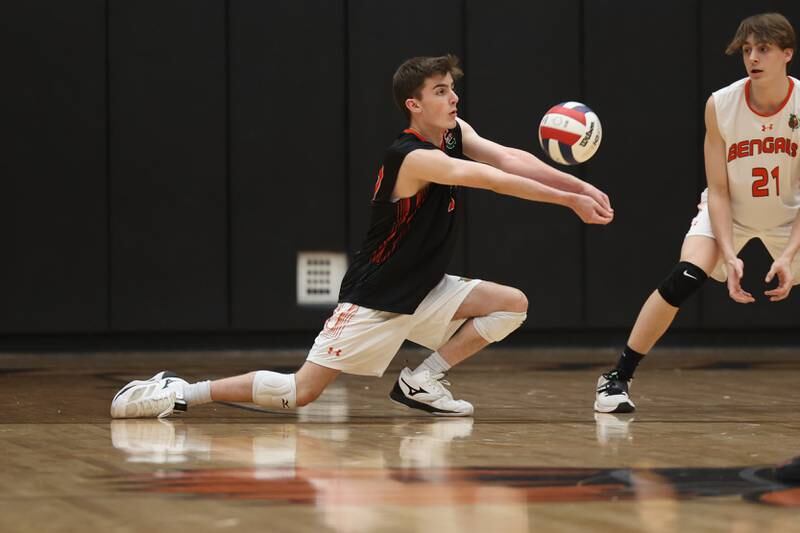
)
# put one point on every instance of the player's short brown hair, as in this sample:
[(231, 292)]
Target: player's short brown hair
[(409, 78), (772, 28)]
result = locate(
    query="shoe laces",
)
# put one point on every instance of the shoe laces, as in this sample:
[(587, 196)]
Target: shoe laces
[(438, 384), (614, 383), (613, 375)]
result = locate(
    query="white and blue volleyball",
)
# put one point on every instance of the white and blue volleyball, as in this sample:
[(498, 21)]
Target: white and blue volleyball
[(570, 133)]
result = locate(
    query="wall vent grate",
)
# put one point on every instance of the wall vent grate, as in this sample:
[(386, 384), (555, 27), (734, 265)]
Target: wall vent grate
[(319, 276)]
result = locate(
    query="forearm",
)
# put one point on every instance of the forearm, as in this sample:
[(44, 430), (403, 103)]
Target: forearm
[(509, 184), (523, 164), (719, 208)]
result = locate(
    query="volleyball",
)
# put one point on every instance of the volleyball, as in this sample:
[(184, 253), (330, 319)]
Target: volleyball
[(570, 133)]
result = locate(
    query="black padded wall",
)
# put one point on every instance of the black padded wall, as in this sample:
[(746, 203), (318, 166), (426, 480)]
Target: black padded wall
[(168, 198), (381, 36), (520, 63), (166, 161), (53, 271), (641, 79), (719, 311), (288, 153)]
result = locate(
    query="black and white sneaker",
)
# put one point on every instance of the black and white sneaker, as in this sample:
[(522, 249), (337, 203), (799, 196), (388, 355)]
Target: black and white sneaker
[(612, 394), (156, 397), (427, 392)]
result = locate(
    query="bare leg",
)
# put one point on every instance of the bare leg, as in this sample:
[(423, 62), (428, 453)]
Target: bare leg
[(656, 314), (484, 299), (311, 380), (465, 343), (422, 388)]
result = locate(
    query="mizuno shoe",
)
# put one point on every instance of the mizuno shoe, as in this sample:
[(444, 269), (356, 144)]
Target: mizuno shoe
[(156, 397), (427, 392)]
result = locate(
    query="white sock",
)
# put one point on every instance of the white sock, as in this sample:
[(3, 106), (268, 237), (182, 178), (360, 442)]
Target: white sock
[(435, 363), (271, 389), (197, 393)]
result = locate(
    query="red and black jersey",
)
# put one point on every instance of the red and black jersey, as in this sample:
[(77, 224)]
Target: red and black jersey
[(410, 241)]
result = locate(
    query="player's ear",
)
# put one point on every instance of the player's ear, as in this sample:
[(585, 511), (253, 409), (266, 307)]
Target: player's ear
[(788, 54), (412, 104)]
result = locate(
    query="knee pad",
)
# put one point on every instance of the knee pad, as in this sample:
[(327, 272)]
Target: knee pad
[(271, 389), (681, 283), (497, 326)]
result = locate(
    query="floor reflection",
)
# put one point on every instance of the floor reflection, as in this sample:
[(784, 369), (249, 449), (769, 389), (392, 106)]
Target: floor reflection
[(409, 464), (613, 429), (323, 466)]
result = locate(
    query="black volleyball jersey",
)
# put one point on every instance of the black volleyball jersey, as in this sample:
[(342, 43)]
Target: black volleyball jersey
[(410, 242)]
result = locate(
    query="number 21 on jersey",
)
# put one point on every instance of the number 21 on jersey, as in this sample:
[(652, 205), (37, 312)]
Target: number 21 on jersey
[(761, 182)]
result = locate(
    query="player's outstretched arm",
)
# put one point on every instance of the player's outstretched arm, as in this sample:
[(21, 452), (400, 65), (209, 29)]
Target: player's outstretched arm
[(527, 165), (422, 166), (719, 204)]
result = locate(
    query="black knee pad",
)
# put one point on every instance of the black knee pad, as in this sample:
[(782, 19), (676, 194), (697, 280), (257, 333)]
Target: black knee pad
[(681, 283)]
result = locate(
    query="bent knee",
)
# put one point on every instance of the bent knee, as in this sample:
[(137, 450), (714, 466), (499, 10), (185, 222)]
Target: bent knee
[(496, 326), (516, 302), (684, 280), (306, 395)]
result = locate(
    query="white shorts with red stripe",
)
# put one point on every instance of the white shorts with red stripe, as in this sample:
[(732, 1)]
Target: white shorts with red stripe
[(363, 341)]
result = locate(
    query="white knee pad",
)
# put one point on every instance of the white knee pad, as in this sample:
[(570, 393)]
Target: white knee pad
[(496, 326), (271, 389)]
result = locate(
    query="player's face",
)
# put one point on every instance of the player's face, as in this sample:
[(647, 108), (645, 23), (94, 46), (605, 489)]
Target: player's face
[(765, 61), (439, 101)]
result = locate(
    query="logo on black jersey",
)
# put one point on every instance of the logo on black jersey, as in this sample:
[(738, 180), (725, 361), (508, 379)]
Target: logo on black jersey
[(793, 122), (450, 140)]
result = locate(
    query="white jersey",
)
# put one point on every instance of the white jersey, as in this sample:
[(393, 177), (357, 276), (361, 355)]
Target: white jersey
[(762, 156)]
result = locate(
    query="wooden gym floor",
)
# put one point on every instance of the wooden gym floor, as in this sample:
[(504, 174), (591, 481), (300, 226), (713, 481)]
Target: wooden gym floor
[(698, 455)]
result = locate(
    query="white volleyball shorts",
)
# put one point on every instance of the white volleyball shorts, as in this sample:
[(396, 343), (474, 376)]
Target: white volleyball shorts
[(363, 341), (774, 239)]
